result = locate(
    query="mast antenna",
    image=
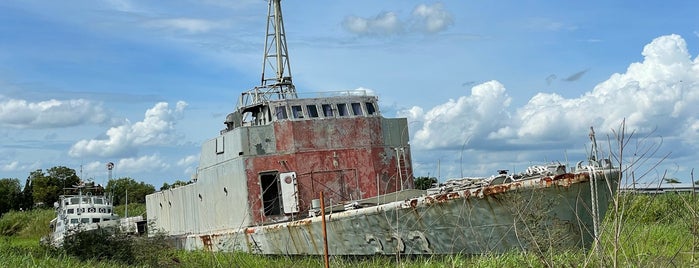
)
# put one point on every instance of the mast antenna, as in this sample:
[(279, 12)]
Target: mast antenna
[(276, 80)]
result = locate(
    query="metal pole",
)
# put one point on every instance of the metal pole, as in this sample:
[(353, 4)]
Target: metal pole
[(325, 232)]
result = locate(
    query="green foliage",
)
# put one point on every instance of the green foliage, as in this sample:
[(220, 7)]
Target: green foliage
[(10, 195), (48, 187), (137, 192), (175, 184), (424, 183), (27, 224), (135, 209)]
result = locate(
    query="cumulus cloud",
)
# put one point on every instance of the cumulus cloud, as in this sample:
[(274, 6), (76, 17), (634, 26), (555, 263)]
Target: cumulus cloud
[(157, 128), (424, 19), (188, 25), (468, 117), (431, 19), (17, 113), (661, 92)]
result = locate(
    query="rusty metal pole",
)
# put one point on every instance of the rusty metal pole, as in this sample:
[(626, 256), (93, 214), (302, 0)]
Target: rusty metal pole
[(325, 232)]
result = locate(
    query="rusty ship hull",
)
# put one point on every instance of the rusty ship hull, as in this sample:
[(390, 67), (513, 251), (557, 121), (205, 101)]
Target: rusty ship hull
[(258, 183), (529, 214)]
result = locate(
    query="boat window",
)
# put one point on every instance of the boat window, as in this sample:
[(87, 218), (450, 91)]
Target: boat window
[(86, 200), (342, 109), (95, 220), (312, 111), (84, 220), (280, 111), (71, 211), (327, 110), (296, 111), (357, 108), (109, 210), (105, 219), (99, 201), (74, 200), (73, 221), (370, 108)]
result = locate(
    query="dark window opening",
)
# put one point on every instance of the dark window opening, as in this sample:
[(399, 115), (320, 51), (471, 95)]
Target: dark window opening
[(95, 220), (296, 111), (370, 108), (357, 108), (281, 112), (71, 211), (342, 109), (327, 110), (270, 193), (312, 111)]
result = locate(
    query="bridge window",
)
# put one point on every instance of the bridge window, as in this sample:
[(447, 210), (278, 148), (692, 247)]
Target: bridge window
[(71, 211), (327, 110), (296, 111), (280, 111), (342, 109), (312, 111), (370, 108), (95, 220), (357, 108)]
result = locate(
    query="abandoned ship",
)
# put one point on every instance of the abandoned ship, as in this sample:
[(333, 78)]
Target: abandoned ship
[(258, 184)]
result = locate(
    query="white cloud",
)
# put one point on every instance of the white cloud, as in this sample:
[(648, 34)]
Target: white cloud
[(189, 164), (431, 19), (12, 166), (386, 23), (469, 117), (17, 113), (658, 95), (157, 128), (424, 19), (189, 25), (188, 160), (662, 91), (148, 163)]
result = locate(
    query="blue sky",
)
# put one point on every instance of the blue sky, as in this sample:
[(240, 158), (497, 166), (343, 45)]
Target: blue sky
[(485, 85)]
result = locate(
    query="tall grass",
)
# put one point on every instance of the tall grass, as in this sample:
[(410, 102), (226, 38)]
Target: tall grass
[(657, 233)]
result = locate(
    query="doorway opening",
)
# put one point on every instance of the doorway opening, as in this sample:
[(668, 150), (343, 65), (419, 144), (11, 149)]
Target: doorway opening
[(271, 198)]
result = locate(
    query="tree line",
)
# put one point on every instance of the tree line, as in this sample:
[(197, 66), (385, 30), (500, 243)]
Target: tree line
[(43, 188)]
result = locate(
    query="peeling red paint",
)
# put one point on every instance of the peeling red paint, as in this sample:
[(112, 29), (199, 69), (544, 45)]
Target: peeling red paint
[(345, 158)]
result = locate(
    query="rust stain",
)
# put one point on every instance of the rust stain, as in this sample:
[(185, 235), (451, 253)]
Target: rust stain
[(206, 241), (413, 203)]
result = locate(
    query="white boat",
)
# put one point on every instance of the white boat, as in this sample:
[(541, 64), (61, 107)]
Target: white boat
[(87, 208)]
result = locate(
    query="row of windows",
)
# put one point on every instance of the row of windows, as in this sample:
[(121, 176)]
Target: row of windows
[(326, 110), (86, 200), (87, 220), (89, 210)]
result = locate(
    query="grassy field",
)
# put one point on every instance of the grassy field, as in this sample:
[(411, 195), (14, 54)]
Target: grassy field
[(647, 231)]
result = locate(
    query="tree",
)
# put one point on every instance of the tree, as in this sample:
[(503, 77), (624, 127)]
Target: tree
[(175, 184), (46, 188), (424, 183), (137, 191), (10, 191)]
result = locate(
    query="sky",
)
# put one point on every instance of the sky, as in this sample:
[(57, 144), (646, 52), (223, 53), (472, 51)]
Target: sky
[(485, 85)]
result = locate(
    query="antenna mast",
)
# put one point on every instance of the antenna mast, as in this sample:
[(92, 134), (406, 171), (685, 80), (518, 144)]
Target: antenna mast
[(276, 71)]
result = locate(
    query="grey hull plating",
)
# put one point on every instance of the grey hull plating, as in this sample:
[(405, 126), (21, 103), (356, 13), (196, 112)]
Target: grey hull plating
[(527, 214)]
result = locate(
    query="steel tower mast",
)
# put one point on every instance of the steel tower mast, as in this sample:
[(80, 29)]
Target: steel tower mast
[(276, 80)]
